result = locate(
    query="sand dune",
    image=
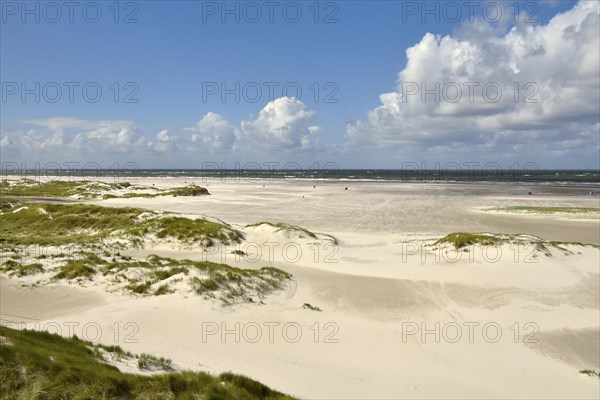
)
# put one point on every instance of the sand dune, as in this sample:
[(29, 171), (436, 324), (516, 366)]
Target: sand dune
[(396, 322)]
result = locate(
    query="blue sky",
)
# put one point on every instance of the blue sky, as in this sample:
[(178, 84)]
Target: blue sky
[(175, 48)]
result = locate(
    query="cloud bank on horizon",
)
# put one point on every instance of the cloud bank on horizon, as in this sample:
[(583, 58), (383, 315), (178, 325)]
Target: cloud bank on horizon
[(528, 91)]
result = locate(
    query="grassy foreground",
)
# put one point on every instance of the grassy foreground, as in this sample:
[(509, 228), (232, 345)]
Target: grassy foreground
[(40, 365)]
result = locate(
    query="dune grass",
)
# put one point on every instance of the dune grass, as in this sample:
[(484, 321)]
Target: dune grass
[(7, 203), (162, 290), (28, 187), (308, 306), (23, 223), (590, 372), (75, 269), (40, 365), (548, 210), (139, 288), (460, 240), (18, 269), (191, 190), (163, 274), (151, 277), (463, 239), (193, 231), (85, 189), (236, 284), (61, 224), (150, 362), (89, 231), (115, 352)]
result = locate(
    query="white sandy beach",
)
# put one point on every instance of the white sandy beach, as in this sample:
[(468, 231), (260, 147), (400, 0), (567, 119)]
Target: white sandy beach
[(507, 323)]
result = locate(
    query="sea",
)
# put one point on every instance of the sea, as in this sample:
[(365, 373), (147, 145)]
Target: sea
[(528, 176)]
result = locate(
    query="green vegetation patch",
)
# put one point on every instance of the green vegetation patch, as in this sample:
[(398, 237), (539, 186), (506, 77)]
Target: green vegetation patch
[(163, 274), (190, 231), (150, 362), (236, 284), (139, 288), (28, 187), (463, 239), (40, 365), (62, 224), (82, 224), (162, 289), (116, 352), (90, 189), (88, 231), (547, 210), (191, 190), (150, 277), (308, 306), (75, 269), (460, 240), (20, 270), (7, 203), (128, 196), (590, 372)]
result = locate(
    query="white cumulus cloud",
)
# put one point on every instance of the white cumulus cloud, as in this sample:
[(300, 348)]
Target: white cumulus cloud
[(212, 133), (547, 74), (283, 123)]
